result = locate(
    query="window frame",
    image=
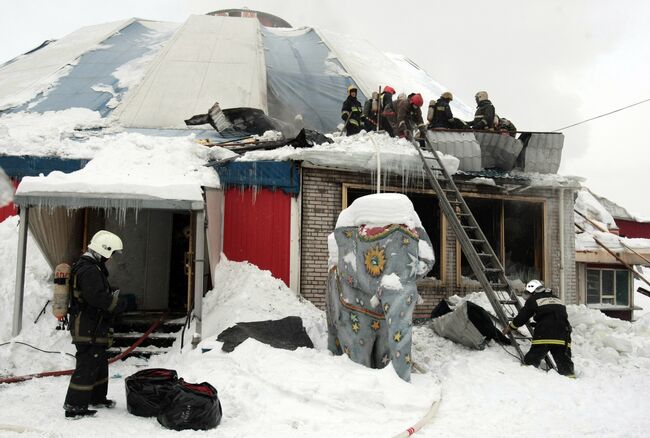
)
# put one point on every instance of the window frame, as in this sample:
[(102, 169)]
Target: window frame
[(613, 295)]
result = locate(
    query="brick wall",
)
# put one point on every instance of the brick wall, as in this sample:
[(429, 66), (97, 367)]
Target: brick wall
[(321, 205)]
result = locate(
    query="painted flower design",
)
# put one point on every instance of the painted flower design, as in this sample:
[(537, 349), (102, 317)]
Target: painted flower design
[(375, 260)]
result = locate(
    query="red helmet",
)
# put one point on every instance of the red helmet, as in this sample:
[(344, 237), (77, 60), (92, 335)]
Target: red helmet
[(416, 100), (389, 89)]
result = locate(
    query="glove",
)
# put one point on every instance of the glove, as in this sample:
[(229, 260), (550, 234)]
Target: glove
[(507, 329)]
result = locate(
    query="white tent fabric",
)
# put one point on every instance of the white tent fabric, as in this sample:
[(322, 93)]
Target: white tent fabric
[(210, 59), (31, 74)]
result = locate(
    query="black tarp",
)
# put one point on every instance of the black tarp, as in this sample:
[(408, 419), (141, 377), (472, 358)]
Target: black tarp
[(287, 333)]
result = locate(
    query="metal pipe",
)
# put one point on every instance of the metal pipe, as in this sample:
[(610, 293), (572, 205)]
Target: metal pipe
[(20, 272), (199, 250), (561, 225)]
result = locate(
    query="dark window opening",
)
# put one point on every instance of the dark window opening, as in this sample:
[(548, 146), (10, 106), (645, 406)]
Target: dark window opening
[(523, 242), (428, 209), (608, 287), (487, 213)]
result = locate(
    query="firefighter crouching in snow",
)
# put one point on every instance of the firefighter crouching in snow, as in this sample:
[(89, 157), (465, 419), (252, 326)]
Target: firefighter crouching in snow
[(409, 116), (552, 329), (93, 305), (352, 112)]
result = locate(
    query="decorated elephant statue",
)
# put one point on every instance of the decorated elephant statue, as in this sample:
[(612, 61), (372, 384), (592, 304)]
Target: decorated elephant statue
[(377, 252)]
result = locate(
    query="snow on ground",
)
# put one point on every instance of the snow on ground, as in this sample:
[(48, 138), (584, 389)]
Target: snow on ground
[(308, 392)]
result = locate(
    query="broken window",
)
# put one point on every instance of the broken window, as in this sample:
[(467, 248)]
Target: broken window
[(514, 229), (427, 208)]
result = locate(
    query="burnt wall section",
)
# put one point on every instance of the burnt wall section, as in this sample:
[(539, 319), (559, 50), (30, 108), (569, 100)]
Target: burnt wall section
[(323, 195)]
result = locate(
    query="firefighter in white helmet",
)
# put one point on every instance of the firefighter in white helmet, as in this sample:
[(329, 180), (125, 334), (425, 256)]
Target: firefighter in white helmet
[(93, 306), (552, 331)]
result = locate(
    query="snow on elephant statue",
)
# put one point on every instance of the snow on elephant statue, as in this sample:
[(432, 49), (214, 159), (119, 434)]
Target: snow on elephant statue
[(377, 252)]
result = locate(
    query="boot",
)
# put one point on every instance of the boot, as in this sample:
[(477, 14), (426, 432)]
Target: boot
[(106, 403), (76, 412)]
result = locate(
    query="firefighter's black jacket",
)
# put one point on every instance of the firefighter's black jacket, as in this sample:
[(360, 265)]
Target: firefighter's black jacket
[(93, 303), (484, 116), (442, 115), (351, 112), (552, 323)]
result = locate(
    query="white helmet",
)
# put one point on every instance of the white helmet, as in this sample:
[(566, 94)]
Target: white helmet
[(481, 96), (535, 286), (105, 243)]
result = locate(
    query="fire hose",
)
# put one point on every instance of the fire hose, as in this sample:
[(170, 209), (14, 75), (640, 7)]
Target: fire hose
[(139, 341)]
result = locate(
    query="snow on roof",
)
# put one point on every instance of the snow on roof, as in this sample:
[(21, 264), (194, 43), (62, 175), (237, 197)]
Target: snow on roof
[(31, 74), (616, 210), (596, 221), (357, 152), (132, 166), (370, 68), (372, 210), (589, 206)]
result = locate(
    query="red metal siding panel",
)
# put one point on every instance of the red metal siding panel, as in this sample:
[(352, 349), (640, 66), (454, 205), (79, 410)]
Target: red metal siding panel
[(10, 209), (633, 229), (257, 227)]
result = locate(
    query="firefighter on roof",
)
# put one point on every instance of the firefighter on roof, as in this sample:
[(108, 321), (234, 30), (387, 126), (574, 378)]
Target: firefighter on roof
[(440, 115), (552, 331), (485, 113), (352, 112), (409, 115)]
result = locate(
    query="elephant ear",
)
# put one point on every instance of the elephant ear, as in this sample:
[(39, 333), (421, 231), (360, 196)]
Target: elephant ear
[(346, 240), (425, 252)]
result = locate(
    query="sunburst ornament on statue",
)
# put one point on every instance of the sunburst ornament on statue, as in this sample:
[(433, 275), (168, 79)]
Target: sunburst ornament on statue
[(375, 260)]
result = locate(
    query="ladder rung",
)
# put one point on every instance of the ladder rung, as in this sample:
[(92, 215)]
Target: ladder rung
[(508, 301), (471, 227), (492, 269), (477, 240), (498, 285), (484, 254)]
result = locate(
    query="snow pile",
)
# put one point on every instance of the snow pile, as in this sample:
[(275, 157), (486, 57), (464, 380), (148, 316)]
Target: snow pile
[(371, 210), (53, 133), (135, 164), (245, 293), (358, 152), (6, 189)]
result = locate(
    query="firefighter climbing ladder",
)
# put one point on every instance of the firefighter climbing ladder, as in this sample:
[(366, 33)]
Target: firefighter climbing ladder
[(482, 259)]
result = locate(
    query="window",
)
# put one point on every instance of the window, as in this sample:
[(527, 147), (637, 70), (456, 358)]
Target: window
[(514, 229), (608, 287)]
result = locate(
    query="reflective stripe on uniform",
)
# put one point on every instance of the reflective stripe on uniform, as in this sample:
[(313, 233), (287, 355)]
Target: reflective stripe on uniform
[(550, 342), (101, 382), (353, 122), (78, 387)]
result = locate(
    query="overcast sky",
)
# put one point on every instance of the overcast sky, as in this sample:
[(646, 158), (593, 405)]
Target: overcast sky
[(545, 63)]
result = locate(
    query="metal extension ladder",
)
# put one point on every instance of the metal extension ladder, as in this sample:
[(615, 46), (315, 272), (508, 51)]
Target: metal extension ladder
[(484, 262)]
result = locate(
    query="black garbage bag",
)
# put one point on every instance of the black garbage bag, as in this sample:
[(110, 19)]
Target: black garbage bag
[(147, 389), (191, 406), (286, 333)]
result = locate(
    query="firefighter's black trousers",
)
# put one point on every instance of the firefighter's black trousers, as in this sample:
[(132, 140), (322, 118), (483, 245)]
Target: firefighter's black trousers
[(89, 383), (561, 355)]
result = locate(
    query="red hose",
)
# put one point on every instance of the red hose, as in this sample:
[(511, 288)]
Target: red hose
[(146, 334)]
